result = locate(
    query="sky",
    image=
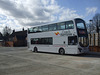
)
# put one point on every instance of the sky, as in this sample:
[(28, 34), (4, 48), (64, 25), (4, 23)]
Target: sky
[(18, 14)]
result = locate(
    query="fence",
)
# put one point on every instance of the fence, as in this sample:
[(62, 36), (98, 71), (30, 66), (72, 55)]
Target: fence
[(94, 42)]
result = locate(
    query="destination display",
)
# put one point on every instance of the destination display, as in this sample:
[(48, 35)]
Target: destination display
[(82, 32)]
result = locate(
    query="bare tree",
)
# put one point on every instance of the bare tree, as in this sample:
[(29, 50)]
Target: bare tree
[(91, 27), (96, 21), (6, 32)]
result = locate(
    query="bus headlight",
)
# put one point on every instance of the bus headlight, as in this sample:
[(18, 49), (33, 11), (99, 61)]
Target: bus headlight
[(80, 49)]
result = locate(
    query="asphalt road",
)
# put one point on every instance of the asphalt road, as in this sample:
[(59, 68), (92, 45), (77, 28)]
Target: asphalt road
[(20, 61)]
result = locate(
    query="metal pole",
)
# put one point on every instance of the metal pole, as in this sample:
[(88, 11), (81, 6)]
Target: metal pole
[(91, 23), (98, 41)]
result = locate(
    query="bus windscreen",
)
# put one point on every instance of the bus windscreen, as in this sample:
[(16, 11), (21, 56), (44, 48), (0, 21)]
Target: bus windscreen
[(81, 28)]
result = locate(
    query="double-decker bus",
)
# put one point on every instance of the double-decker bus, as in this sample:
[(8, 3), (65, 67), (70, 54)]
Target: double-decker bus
[(67, 37)]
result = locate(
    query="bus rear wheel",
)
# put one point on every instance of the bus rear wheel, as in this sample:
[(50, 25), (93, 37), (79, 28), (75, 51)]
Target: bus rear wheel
[(61, 51), (35, 49)]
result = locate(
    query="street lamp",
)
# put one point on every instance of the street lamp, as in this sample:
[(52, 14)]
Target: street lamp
[(91, 22), (91, 43)]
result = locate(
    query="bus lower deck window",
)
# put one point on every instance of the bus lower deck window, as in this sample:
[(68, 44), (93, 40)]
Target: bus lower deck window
[(72, 40), (48, 41)]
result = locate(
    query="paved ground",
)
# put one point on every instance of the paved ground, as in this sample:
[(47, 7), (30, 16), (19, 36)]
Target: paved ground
[(20, 61)]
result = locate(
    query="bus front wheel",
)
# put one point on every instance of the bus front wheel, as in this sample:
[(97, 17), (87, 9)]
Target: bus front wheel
[(35, 49), (61, 51)]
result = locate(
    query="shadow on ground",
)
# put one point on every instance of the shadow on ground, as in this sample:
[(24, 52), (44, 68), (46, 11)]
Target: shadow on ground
[(89, 55)]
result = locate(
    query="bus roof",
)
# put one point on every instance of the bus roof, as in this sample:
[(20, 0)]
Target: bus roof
[(55, 22)]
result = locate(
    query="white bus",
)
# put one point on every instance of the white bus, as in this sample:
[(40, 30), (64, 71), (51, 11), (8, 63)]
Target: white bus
[(67, 37)]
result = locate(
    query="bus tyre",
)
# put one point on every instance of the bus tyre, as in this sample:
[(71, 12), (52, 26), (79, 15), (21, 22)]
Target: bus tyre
[(61, 51), (35, 49)]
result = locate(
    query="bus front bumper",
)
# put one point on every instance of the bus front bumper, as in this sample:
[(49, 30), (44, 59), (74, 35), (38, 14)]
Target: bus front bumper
[(83, 50)]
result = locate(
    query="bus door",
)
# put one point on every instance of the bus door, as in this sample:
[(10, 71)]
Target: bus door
[(72, 44)]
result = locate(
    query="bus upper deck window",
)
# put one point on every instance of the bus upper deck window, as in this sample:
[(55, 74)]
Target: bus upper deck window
[(45, 28), (72, 40), (69, 25), (61, 26)]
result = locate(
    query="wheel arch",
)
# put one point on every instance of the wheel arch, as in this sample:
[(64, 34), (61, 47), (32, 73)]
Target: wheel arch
[(60, 49)]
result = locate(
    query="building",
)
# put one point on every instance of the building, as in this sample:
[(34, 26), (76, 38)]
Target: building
[(19, 38)]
